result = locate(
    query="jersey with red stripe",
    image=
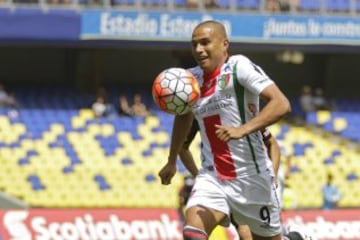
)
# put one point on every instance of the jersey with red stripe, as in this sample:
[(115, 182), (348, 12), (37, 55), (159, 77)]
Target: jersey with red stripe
[(230, 97)]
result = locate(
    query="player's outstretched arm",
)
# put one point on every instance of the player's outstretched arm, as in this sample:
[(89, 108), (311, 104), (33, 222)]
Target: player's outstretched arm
[(181, 127)]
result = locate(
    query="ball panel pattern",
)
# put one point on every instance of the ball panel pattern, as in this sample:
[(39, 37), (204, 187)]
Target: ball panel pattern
[(175, 90)]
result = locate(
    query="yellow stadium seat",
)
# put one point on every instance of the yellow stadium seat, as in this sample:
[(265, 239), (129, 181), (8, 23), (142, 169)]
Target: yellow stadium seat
[(323, 116), (86, 113), (339, 124), (152, 121), (107, 130)]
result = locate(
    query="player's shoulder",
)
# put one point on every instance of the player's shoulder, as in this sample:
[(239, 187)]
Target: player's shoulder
[(239, 59)]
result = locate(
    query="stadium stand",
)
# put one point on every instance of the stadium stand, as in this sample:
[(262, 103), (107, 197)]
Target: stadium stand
[(58, 155), (309, 6)]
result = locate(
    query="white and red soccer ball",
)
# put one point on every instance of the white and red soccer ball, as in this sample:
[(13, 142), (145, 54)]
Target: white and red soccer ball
[(175, 90)]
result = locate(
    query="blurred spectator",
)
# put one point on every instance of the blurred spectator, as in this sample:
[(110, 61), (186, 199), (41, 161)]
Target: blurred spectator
[(273, 5), (192, 4), (284, 5), (100, 107), (306, 100), (124, 107), (3, 96), (319, 100), (331, 194), (7, 100), (11, 101), (139, 108), (211, 4)]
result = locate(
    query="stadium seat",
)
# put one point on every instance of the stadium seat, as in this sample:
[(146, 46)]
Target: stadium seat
[(248, 4), (64, 157), (338, 5), (180, 3), (224, 4), (310, 5)]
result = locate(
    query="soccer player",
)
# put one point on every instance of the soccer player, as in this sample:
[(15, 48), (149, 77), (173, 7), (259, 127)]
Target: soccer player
[(235, 177), (187, 159)]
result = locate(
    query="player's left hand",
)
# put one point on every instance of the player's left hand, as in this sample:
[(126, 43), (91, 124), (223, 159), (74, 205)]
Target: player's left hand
[(167, 173), (225, 133)]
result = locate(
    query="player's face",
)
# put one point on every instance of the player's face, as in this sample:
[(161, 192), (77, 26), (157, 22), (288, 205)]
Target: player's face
[(209, 48)]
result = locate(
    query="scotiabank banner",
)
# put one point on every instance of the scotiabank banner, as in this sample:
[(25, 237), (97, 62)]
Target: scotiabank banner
[(327, 224), (90, 224)]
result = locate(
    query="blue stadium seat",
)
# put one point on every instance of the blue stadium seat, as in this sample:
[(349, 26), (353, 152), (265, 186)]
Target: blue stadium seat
[(180, 3), (35, 182), (357, 5), (154, 2), (224, 3), (248, 4), (310, 5), (102, 183), (338, 5)]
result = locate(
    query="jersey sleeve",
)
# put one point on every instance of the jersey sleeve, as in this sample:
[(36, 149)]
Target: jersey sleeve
[(251, 76)]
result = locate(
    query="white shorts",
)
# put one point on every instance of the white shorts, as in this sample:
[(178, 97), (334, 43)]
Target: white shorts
[(249, 200)]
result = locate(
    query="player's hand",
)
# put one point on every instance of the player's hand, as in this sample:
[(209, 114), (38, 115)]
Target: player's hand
[(225, 133), (167, 173)]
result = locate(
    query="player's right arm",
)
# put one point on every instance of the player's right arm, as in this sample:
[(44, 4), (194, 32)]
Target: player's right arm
[(181, 127)]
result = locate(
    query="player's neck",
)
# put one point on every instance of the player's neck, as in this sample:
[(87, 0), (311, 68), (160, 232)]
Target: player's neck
[(211, 75)]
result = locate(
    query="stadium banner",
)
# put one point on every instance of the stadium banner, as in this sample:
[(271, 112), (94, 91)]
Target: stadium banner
[(35, 24), (339, 224), (247, 28), (90, 224)]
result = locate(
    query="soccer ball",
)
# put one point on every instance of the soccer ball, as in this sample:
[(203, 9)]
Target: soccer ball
[(175, 90)]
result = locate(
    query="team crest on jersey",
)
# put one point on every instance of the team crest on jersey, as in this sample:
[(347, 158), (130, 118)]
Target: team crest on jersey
[(223, 80)]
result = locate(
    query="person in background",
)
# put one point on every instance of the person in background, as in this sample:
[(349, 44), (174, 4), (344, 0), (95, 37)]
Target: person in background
[(138, 107), (331, 194), (124, 107), (319, 100), (100, 107), (306, 101)]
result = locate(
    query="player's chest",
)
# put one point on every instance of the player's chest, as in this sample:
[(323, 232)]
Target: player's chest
[(218, 96), (216, 85)]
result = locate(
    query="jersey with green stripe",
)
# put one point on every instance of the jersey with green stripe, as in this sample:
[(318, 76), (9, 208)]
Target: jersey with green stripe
[(230, 97)]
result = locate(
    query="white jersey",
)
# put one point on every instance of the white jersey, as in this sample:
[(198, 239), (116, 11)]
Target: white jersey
[(230, 97)]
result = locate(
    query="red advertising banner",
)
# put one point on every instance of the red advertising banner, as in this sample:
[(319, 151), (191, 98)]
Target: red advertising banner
[(336, 224), (150, 224), (90, 224)]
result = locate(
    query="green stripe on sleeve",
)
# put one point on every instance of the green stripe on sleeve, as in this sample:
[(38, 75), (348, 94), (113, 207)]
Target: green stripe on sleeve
[(239, 91)]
